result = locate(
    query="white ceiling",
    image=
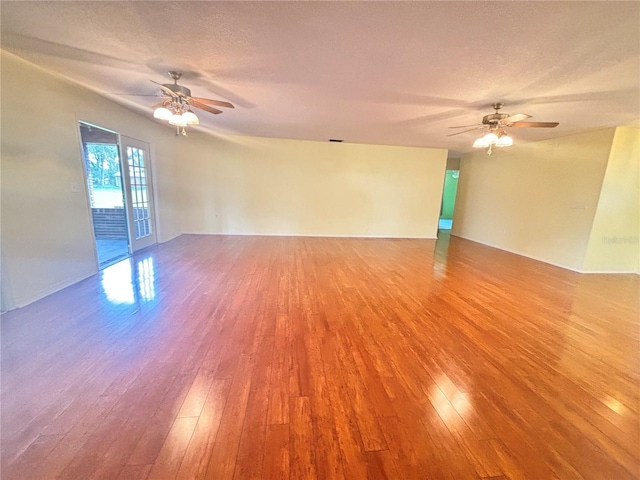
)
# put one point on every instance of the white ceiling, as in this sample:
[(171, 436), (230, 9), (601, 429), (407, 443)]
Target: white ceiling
[(395, 73)]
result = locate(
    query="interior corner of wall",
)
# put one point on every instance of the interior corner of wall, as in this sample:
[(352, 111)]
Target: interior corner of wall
[(595, 240), (6, 292)]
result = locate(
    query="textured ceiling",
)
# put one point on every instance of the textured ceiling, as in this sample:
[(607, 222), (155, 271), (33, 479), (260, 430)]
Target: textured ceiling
[(390, 73)]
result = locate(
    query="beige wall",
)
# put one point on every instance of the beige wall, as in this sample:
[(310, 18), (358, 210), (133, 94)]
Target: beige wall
[(246, 185), (47, 239), (613, 244), (203, 184), (537, 199)]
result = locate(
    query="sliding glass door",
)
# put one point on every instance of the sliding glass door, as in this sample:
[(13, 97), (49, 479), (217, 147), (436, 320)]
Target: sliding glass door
[(103, 172)]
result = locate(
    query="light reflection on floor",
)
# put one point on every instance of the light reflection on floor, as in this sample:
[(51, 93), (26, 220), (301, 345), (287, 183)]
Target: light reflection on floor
[(146, 279), (129, 281), (440, 257)]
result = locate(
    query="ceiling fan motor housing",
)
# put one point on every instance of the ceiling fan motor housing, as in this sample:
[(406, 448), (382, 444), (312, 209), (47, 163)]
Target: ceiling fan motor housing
[(179, 89), (493, 118)]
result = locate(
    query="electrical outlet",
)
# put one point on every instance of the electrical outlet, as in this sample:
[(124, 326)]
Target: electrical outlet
[(75, 187)]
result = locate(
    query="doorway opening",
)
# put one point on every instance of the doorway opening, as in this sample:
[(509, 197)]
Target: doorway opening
[(101, 153), (448, 199)]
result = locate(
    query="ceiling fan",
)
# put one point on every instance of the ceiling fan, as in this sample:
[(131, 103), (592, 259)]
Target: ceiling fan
[(176, 107), (496, 123)]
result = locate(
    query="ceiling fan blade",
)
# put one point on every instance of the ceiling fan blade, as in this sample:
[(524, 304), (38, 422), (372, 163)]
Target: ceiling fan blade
[(166, 90), (467, 126), (465, 131), (535, 124), (202, 106), (218, 103), (135, 94), (514, 118)]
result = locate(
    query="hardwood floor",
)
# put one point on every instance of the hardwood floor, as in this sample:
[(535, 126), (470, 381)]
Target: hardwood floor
[(264, 357)]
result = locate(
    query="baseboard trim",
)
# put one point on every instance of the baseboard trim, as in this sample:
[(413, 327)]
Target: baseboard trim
[(611, 272), (165, 240), (23, 302), (521, 254), (565, 267), (391, 237)]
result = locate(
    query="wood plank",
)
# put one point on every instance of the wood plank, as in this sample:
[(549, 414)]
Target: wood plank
[(196, 457), (134, 472), (222, 460), (170, 457), (275, 357), (276, 453), (302, 463)]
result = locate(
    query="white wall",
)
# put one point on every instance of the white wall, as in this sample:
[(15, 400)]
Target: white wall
[(47, 240), (536, 199), (248, 185), (614, 244)]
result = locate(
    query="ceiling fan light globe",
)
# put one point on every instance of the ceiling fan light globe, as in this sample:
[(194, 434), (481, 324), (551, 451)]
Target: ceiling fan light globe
[(162, 113), (491, 138), (480, 143), (190, 118), (504, 141), (177, 120)]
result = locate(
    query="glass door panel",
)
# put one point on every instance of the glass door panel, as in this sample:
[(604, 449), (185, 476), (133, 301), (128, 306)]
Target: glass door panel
[(139, 192)]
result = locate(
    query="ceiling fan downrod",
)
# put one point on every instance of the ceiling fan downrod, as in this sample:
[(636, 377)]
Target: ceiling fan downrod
[(175, 75)]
